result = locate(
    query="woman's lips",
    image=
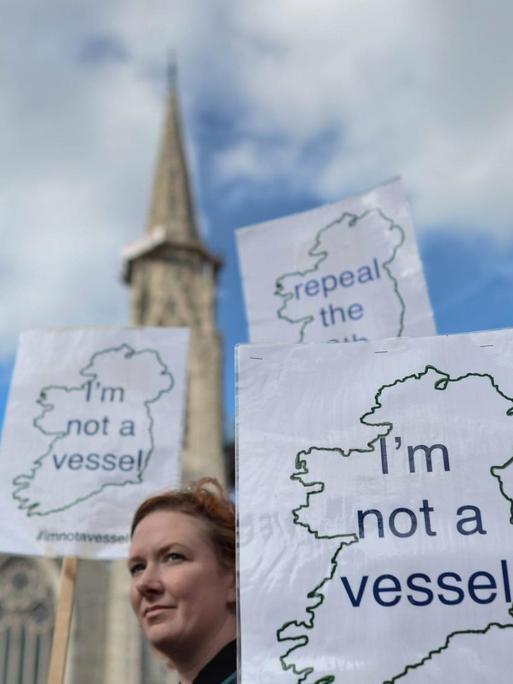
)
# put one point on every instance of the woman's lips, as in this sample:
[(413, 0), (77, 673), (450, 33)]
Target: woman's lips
[(153, 610)]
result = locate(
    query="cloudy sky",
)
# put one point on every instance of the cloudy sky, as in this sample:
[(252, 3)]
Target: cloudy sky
[(287, 104)]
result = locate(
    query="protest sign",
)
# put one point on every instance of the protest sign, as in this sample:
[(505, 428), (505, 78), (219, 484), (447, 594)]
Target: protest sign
[(375, 503), (93, 426), (343, 272)]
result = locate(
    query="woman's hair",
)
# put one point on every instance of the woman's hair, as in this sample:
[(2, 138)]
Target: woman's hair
[(204, 499)]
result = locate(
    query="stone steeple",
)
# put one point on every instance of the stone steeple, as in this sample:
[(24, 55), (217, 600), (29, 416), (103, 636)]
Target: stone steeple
[(172, 275), (171, 205)]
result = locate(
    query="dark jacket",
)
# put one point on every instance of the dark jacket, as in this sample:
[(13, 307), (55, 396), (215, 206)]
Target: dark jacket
[(222, 669)]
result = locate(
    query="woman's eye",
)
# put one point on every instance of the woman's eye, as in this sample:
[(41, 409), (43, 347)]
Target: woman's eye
[(135, 569), (174, 557)]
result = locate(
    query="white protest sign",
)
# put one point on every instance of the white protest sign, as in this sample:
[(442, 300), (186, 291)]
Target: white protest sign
[(343, 272), (93, 426), (375, 503)]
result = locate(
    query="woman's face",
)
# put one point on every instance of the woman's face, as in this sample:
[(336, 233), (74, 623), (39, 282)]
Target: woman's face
[(180, 593)]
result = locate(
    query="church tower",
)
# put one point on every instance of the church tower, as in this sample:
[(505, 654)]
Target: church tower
[(172, 275)]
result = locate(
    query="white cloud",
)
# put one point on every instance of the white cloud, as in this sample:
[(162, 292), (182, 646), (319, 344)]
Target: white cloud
[(418, 87), (79, 142)]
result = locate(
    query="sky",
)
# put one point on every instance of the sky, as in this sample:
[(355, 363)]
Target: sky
[(287, 105)]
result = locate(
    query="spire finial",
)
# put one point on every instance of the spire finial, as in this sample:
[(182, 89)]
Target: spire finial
[(172, 69)]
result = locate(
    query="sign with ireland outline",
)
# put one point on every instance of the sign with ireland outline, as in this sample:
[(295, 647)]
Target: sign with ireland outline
[(375, 511), (93, 425), (344, 272)]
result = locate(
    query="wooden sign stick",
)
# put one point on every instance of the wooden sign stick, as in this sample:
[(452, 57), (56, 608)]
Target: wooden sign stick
[(62, 626)]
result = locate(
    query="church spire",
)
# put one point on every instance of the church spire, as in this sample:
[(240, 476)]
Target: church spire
[(171, 205), (171, 226), (173, 280)]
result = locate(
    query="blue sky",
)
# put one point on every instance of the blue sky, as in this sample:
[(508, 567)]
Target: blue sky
[(287, 105)]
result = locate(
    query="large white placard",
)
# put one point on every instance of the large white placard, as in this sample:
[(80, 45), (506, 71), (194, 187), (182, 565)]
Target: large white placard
[(93, 426), (343, 272), (375, 502)]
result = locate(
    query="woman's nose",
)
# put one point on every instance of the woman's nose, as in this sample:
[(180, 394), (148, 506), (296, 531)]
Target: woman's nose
[(149, 582)]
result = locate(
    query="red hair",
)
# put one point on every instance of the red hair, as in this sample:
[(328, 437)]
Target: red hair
[(206, 500)]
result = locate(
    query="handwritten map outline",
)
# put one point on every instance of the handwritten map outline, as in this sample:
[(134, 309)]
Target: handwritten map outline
[(314, 488), (24, 480), (353, 220)]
